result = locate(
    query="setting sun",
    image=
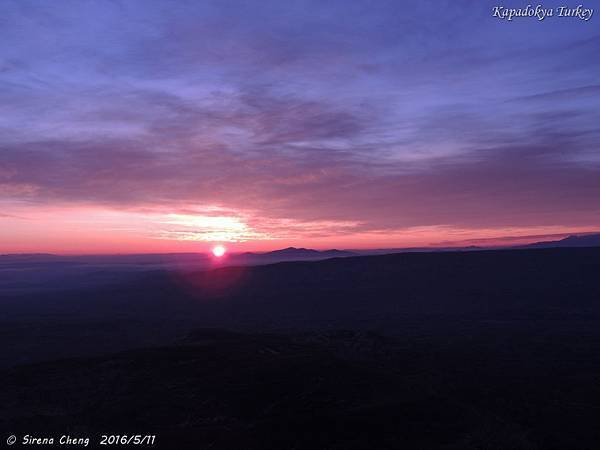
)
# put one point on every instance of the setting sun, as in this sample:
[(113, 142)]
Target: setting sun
[(218, 251)]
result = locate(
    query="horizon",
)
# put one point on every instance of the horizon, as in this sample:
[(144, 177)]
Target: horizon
[(145, 127), (506, 242)]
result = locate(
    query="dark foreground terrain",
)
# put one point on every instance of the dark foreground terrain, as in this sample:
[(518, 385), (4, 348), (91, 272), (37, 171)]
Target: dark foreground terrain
[(479, 350), (334, 390)]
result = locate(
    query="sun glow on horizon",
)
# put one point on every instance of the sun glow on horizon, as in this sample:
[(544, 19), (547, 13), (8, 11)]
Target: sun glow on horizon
[(219, 250)]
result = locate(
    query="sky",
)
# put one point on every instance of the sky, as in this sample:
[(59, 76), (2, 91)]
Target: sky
[(161, 126)]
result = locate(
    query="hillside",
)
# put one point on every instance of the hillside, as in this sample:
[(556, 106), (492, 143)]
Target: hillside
[(584, 240), (395, 294), (336, 390), (490, 349)]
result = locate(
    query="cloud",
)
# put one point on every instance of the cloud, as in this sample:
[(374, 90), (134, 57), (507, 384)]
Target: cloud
[(299, 119), (564, 94)]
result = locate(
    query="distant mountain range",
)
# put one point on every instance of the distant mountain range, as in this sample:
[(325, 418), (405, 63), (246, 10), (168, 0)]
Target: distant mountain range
[(586, 240), (293, 254), (388, 251), (199, 260)]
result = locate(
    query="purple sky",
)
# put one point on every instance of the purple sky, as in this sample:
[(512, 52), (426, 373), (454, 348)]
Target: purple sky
[(151, 125)]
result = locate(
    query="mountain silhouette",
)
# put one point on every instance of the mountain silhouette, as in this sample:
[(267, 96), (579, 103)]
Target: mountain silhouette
[(295, 254), (587, 240)]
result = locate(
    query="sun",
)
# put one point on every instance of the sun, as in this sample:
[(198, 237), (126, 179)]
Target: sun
[(219, 250)]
